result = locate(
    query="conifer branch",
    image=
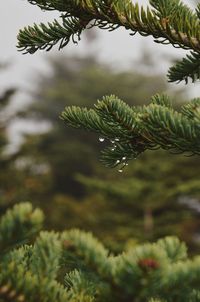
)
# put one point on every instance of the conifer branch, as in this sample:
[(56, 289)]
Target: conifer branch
[(125, 272), (133, 130), (40, 260), (168, 21), (189, 67), (79, 285), (191, 110), (31, 273), (18, 225), (46, 36), (164, 21)]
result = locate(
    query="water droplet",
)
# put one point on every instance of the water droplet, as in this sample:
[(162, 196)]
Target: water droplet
[(124, 158), (122, 167), (101, 139), (118, 161), (113, 148), (117, 139), (112, 141)]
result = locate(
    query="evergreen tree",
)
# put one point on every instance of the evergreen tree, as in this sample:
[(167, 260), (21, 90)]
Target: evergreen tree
[(9, 176), (152, 272), (144, 202)]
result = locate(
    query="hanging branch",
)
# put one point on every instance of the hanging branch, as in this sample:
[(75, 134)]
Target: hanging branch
[(132, 130), (168, 21)]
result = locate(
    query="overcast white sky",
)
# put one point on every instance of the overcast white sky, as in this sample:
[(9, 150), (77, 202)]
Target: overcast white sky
[(15, 14)]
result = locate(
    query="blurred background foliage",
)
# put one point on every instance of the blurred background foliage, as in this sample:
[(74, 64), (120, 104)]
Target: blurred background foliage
[(156, 195)]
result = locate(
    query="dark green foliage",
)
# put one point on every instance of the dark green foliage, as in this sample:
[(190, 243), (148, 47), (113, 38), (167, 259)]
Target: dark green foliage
[(189, 67), (51, 34), (63, 150), (150, 272), (18, 224), (74, 266), (143, 202), (135, 130)]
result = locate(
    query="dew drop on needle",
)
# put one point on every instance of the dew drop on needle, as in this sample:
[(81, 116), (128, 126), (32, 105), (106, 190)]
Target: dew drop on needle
[(101, 139)]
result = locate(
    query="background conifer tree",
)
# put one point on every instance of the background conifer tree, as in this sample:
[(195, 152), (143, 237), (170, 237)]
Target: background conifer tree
[(53, 158), (9, 176), (148, 197)]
